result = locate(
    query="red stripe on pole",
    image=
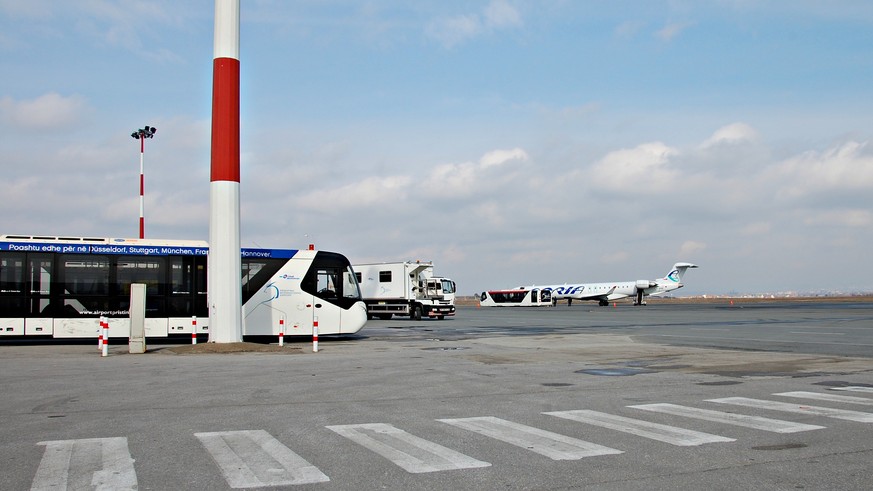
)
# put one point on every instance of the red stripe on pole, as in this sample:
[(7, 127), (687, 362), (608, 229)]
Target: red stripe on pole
[(225, 120)]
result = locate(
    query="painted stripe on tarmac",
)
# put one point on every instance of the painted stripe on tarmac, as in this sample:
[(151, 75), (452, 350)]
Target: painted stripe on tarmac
[(654, 431), (91, 463), (853, 389), (828, 397), (798, 408), (413, 454), (253, 458), (552, 445), (756, 422)]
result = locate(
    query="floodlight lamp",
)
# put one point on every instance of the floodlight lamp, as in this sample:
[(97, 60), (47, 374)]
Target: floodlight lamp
[(135, 135)]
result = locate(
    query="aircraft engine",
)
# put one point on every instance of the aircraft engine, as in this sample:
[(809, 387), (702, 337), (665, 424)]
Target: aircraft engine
[(643, 284)]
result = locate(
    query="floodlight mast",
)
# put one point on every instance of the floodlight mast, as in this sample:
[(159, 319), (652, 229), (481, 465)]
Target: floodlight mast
[(141, 134)]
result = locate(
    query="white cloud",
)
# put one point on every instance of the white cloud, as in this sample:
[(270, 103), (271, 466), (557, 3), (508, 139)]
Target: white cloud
[(691, 247), (732, 133), (47, 111), (500, 157), (841, 169), (670, 31), (371, 191), (500, 13), (644, 169), (842, 218), (757, 229), (455, 30)]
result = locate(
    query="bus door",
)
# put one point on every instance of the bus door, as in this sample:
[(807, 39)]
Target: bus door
[(325, 299), (39, 281)]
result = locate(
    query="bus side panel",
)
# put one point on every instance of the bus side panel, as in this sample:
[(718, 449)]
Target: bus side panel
[(78, 328), (281, 298), (40, 326), (11, 327), (184, 325), (154, 328)]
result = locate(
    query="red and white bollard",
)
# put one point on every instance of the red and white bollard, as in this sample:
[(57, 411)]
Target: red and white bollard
[(100, 334), (105, 351), (193, 329), (315, 335), (281, 332)]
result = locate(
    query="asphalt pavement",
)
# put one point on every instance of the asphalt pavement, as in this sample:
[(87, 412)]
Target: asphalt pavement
[(717, 396)]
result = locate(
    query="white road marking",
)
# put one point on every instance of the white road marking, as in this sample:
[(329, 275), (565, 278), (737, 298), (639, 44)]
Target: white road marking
[(654, 431), (253, 458), (408, 451), (853, 389), (91, 463), (798, 408), (827, 397), (756, 422), (552, 445)]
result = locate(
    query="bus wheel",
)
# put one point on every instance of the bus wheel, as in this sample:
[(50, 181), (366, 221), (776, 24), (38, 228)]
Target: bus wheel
[(416, 312)]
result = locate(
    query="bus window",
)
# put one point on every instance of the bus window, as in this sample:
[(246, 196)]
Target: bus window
[(137, 269), (12, 273), (256, 272), (85, 275)]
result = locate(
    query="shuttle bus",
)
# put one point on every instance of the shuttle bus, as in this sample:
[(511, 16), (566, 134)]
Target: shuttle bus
[(60, 287), (519, 297)]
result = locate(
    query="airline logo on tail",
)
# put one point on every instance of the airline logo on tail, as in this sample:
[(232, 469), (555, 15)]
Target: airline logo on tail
[(674, 276)]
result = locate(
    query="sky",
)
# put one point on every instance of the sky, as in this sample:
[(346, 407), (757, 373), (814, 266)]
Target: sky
[(512, 142)]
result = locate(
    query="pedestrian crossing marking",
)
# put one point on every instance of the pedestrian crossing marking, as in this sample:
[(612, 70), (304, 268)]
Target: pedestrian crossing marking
[(89, 463), (858, 416), (253, 458), (827, 397), (413, 454), (552, 445), (853, 388), (654, 431), (756, 422)]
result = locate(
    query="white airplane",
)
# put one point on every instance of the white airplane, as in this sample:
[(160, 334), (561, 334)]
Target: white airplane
[(606, 292)]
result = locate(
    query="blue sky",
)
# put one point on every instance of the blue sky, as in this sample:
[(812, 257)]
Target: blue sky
[(511, 142)]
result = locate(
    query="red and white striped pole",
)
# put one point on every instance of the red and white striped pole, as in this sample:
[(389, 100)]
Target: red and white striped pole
[(225, 284), (141, 134), (105, 337), (315, 334), (100, 334), (141, 187), (193, 329), (281, 332)]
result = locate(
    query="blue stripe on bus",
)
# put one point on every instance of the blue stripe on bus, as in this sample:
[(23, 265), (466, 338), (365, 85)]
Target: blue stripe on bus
[(135, 250)]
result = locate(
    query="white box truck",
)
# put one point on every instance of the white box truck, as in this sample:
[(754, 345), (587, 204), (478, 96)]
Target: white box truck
[(406, 288)]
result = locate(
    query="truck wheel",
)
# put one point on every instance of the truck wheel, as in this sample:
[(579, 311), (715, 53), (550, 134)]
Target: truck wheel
[(440, 317), (385, 317), (416, 313)]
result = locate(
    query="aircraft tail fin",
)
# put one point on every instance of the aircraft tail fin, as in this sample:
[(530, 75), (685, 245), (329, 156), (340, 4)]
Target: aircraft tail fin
[(678, 271)]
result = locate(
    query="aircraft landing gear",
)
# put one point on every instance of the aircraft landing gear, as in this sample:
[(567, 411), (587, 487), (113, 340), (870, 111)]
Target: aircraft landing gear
[(639, 300)]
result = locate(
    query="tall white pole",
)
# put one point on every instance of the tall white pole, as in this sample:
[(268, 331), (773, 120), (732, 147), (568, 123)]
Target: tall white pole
[(225, 284)]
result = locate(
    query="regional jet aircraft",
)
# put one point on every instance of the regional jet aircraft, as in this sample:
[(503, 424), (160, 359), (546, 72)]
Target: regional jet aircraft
[(603, 293)]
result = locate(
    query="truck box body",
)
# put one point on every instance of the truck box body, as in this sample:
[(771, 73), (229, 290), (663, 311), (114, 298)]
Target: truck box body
[(406, 288)]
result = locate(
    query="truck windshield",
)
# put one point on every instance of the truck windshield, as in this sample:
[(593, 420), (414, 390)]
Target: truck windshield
[(448, 286)]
